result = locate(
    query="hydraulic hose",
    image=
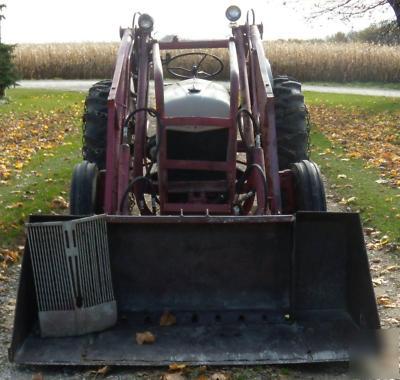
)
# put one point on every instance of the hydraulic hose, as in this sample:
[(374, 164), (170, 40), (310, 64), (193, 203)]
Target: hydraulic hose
[(246, 175), (153, 113)]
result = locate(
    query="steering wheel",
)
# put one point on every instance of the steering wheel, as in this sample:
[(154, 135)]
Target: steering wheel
[(178, 71)]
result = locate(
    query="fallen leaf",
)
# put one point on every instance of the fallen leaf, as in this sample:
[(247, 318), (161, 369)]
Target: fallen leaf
[(59, 202), (103, 371), (177, 367), (219, 376), (348, 201), (385, 301), (145, 337), (382, 181), (167, 319), (15, 205), (172, 376), (392, 268), (342, 176), (37, 376)]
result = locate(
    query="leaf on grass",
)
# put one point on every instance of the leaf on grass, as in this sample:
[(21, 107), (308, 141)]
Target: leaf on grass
[(382, 181), (145, 337), (167, 319), (59, 203), (342, 176), (19, 165), (15, 205), (348, 201)]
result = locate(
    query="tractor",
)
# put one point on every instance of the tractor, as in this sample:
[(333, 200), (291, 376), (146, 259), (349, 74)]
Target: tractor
[(196, 199)]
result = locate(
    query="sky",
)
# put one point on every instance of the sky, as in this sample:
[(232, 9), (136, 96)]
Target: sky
[(37, 21)]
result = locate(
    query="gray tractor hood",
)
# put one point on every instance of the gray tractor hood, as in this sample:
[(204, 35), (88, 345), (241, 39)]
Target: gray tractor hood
[(197, 97)]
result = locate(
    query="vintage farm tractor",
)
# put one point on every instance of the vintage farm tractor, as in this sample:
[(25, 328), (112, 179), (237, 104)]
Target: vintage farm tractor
[(199, 202)]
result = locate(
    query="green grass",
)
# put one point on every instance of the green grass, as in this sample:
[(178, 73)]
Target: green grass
[(27, 100), (368, 104), (374, 85), (48, 174), (379, 204), (376, 202)]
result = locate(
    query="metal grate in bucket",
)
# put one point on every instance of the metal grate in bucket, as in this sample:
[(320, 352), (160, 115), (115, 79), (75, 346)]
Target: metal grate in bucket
[(72, 275)]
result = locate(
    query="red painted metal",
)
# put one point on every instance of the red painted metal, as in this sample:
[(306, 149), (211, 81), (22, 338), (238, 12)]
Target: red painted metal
[(288, 191), (200, 44), (158, 79), (144, 42), (264, 98), (228, 166), (197, 208), (118, 109), (249, 86), (196, 165)]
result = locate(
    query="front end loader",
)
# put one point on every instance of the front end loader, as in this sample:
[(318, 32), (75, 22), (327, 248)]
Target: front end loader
[(196, 200)]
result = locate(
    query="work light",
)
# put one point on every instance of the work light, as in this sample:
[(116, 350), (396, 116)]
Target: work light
[(233, 13), (146, 21)]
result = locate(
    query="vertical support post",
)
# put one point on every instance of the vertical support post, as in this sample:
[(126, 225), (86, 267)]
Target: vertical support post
[(264, 102), (118, 109)]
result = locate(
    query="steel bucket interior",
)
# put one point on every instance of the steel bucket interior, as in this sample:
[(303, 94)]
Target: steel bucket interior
[(244, 290)]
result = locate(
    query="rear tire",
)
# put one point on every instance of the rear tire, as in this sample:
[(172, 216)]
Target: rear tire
[(83, 193), (308, 187), (95, 124), (291, 122)]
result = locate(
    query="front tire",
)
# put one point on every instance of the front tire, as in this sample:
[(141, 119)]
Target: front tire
[(308, 187), (95, 124), (83, 193), (291, 122)]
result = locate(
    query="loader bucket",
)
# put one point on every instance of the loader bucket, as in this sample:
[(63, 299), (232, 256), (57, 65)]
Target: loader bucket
[(244, 290)]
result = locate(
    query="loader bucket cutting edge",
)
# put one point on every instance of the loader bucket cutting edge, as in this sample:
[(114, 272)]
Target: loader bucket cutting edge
[(244, 290)]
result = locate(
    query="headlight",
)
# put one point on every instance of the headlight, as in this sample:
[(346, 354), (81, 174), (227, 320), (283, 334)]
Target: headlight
[(233, 13), (146, 21)]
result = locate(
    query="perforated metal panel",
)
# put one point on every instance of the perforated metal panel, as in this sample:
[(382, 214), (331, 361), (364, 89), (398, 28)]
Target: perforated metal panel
[(72, 275)]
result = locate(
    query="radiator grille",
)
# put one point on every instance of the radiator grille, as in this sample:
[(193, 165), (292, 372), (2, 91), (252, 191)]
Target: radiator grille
[(71, 264)]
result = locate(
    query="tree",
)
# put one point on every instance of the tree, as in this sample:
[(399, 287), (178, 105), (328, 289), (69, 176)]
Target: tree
[(2, 17), (339, 37), (385, 32), (8, 74), (346, 9)]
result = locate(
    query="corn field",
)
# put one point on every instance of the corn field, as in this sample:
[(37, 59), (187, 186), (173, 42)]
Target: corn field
[(305, 61)]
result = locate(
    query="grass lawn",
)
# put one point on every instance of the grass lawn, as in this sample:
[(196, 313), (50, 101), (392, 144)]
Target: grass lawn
[(41, 143), (356, 142), (377, 85)]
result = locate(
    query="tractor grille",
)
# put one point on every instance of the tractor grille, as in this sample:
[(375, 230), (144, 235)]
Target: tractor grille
[(72, 275)]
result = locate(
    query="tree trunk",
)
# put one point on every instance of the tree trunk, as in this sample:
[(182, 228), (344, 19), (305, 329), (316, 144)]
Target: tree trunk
[(2, 92), (395, 4)]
